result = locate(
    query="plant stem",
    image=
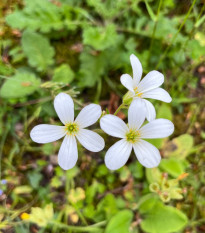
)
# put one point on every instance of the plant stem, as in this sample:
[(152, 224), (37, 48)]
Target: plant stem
[(154, 30), (91, 228), (80, 215), (4, 136), (119, 108), (176, 34)]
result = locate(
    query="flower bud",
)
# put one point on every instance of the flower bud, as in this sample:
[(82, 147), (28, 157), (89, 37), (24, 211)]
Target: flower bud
[(154, 187), (165, 196), (127, 98)]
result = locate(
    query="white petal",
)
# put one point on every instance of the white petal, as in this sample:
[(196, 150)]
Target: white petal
[(47, 133), (127, 82), (64, 107), (113, 126), (88, 115), (151, 81), (118, 154), (91, 140), (136, 114), (68, 153), (158, 94), (136, 68), (150, 110), (159, 128), (147, 154)]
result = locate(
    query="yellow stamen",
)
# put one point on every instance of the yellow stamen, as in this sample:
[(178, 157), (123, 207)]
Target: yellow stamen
[(137, 93), (132, 136), (71, 129)]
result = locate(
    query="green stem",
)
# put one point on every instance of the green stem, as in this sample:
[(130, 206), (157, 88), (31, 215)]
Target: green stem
[(154, 30), (194, 28), (119, 108), (80, 215), (4, 136), (197, 222), (91, 228), (200, 14), (175, 36)]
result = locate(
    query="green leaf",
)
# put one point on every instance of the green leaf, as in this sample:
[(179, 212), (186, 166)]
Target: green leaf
[(179, 147), (108, 9), (108, 205), (153, 175), (136, 170), (6, 69), (24, 189), (63, 74), (163, 219), (70, 174), (173, 166), (91, 69), (157, 142), (149, 9), (164, 111), (124, 174), (56, 182), (20, 85), (37, 15), (34, 179), (147, 202), (38, 50), (195, 50), (100, 38), (120, 222)]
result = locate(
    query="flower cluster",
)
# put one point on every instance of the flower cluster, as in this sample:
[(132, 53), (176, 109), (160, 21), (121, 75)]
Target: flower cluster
[(132, 134)]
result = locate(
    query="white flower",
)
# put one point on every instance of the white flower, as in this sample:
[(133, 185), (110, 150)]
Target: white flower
[(147, 154), (148, 87), (68, 153)]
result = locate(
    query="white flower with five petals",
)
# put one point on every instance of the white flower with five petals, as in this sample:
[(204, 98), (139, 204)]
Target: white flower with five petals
[(133, 135), (148, 87), (72, 129)]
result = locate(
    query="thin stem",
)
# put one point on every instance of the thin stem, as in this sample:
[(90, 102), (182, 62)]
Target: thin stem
[(154, 30), (194, 28), (80, 215), (200, 14), (2, 143), (175, 36), (91, 228), (119, 108)]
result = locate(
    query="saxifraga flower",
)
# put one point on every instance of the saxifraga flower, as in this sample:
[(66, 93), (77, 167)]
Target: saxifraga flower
[(132, 136), (148, 87), (72, 129)]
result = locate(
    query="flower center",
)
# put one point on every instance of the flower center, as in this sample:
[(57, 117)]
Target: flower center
[(132, 136), (71, 129), (137, 92)]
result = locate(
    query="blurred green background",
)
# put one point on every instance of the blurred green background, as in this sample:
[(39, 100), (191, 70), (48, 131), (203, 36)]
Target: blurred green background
[(82, 48)]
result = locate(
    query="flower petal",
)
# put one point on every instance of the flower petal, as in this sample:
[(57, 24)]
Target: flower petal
[(47, 133), (136, 68), (158, 94), (64, 107), (150, 110), (91, 140), (159, 128), (147, 154), (151, 81), (136, 114), (113, 126), (118, 154), (68, 153), (127, 82), (88, 115)]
